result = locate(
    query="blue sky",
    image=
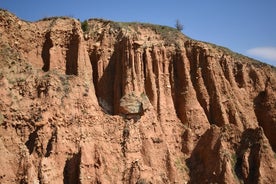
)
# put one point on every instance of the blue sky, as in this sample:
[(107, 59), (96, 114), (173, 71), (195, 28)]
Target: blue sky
[(245, 26)]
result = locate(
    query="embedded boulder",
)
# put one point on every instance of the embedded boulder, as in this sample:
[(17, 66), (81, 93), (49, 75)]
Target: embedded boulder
[(133, 105)]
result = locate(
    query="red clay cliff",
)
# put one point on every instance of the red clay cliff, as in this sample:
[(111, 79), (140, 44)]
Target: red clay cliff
[(130, 103)]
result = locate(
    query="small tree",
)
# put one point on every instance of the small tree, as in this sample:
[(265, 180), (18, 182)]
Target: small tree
[(178, 25), (84, 26)]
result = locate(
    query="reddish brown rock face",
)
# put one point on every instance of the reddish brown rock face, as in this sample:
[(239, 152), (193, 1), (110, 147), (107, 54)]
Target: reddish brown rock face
[(130, 103)]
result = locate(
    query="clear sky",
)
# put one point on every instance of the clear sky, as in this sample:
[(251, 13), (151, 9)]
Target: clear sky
[(245, 26)]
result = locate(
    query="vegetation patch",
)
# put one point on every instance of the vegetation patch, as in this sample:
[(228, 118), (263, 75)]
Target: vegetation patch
[(55, 18), (235, 166), (85, 26), (65, 83), (169, 34), (181, 165), (1, 118)]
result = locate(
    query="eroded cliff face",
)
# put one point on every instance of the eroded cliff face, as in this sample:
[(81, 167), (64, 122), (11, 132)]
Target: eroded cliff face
[(130, 103)]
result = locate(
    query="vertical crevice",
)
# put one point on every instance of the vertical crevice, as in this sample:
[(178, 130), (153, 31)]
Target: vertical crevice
[(32, 140), (52, 140), (107, 84), (239, 76), (94, 63), (72, 55), (201, 91), (103, 80), (254, 77), (156, 71), (118, 79), (264, 113), (238, 167), (39, 174), (172, 80), (247, 166), (225, 67), (126, 133), (71, 172), (205, 83), (148, 78), (144, 58), (48, 44), (178, 87)]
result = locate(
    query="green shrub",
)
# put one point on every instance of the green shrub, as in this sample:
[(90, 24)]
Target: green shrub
[(84, 26)]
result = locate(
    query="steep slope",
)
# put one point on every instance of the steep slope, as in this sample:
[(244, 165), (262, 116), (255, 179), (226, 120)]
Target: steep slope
[(130, 103)]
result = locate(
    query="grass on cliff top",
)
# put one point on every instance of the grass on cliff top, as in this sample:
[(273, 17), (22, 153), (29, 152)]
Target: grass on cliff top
[(120, 25), (56, 17), (169, 34)]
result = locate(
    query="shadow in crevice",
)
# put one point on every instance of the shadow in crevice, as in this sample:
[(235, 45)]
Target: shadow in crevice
[(71, 172), (247, 164), (31, 142), (205, 158), (48, 44), (107, 78), (199, 70), (51, 142), (177, 68), (72, 56), (94, 58), (264, 110)]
